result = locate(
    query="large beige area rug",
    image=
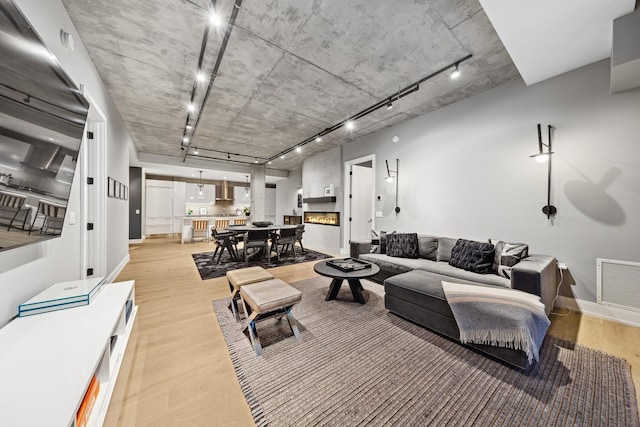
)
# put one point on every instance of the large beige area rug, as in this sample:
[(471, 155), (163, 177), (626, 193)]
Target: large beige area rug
[(361, 365)]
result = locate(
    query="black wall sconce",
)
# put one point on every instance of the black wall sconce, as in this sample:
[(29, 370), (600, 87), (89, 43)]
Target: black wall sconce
[(541, 157), (391, 178)]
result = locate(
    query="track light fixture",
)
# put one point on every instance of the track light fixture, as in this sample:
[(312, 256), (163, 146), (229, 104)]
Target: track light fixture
[(349, 123), (542, 157), (196, 152), (185, 139), (456, 71), (215, 20), (389, 105), (228, 155)]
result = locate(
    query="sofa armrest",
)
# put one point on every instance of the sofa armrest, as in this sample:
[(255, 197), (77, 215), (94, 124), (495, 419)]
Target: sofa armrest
[(536, 274), (358, 247)]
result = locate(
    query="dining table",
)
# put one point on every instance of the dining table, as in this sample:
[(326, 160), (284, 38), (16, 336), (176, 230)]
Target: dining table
[(241, 229)]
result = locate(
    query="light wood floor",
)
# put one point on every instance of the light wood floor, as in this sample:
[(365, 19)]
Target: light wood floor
[(177, 371)]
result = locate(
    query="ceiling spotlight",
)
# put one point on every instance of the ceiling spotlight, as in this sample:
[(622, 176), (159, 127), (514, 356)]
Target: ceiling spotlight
[(200, 76), (255, 161), (298, 149), (318, 139), (214, 19), (189, 127), (196, 151), (282, 157), (455, 73), (185, 139), (269, 162), (191, 107), (350, 125), (389, 106)]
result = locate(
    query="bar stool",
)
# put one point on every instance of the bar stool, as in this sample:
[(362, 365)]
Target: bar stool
[(200, 226), (221, 224)]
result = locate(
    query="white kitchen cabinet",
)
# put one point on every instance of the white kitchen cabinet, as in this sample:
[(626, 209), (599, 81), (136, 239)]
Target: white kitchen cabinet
[(200, 196), (159, 207), (241, 196), (179, 205)]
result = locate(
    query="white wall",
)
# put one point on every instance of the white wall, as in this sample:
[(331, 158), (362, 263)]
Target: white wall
[(287, 195), (26, 271), (465, 171)]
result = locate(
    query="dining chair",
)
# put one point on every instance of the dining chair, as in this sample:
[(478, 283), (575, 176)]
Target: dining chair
[(52, 217), (11, 208), (299, 232), (284, 240), (258, 240), (200, 226), (224, 240)]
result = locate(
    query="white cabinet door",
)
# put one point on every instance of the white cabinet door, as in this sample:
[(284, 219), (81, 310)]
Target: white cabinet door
[(241, 196), (201, 196), (159, 207), (159, 203), (179, 204)]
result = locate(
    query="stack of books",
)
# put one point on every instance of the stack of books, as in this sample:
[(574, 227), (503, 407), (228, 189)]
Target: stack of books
[(88, 402)]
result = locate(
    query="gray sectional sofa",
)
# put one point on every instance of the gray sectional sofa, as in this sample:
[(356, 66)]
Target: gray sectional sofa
[(413, 287)]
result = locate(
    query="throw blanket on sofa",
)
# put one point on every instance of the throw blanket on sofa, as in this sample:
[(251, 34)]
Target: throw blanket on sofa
[(498, 317)]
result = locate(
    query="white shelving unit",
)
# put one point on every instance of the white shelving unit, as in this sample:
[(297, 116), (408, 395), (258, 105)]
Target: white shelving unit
[(48, 360)]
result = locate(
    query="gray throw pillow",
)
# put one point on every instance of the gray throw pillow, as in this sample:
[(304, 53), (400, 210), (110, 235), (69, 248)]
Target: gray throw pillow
[(472, 256), (445, 244), (402, 245), (510, 254), (428, 246)]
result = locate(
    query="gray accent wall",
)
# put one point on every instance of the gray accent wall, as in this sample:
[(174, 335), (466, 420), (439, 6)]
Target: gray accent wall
[(135, 203), (26, 271), (465, 171)]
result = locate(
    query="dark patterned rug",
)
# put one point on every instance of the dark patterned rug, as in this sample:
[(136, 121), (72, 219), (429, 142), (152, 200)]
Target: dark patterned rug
[(361, 365), (208, 269)]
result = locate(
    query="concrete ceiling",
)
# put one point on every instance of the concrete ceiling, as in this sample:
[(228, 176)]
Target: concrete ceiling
[(291, 68)]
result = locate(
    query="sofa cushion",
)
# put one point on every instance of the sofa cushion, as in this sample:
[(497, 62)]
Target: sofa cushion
[(428, 247), (422, 288), (393, 265), (403, 245), (445, 245), (473, 256), (448, 270), (507, 255)]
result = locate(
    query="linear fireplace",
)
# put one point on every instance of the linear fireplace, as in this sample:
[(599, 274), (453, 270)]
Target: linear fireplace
[(325, 218)]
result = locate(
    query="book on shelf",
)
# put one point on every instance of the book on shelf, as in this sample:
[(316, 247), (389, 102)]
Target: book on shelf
[(88, 402), (128, 309), (62, 295)]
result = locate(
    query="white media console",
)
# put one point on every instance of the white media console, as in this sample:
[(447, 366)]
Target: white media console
[(48, 360)]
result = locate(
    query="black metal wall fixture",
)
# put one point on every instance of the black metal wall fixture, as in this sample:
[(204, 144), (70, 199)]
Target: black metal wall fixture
[(391, 178), (545, 156)]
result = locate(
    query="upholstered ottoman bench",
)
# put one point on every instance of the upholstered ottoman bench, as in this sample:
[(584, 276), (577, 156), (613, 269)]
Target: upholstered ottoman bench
[(241, 277), (266, 299)]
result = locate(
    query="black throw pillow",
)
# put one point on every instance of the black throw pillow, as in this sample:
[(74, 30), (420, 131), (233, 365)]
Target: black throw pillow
[(403, 245), (473, 256)]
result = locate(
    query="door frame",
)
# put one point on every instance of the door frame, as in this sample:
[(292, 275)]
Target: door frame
[(95, 167), (347, 205)]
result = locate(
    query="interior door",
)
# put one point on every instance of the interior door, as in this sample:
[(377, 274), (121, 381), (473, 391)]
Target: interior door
[(361, 201)]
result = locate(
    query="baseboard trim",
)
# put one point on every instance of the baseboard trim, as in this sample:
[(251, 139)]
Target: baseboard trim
[(135, 241), (627, 317), (112, 276)]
